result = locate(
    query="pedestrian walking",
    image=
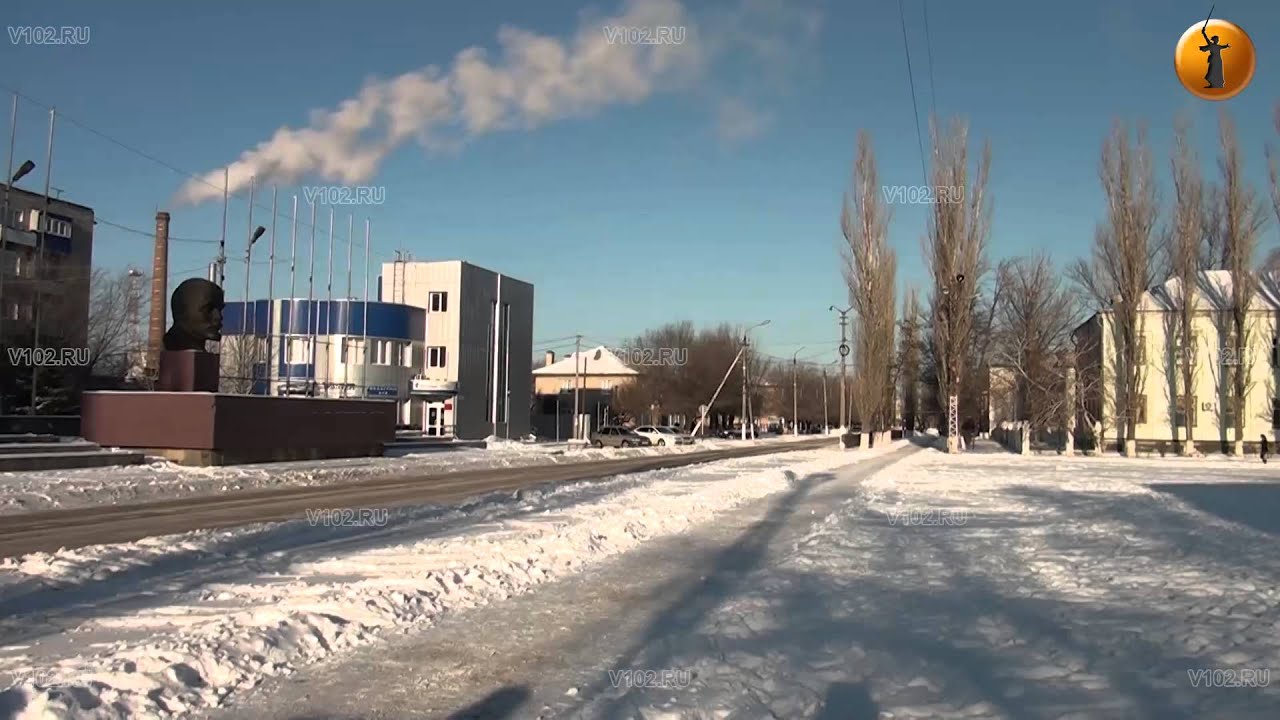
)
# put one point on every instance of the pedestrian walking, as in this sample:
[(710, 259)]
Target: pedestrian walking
[(1265, 449)]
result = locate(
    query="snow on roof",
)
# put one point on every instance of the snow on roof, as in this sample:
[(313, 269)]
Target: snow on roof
[(597, 361), (1213, 292)]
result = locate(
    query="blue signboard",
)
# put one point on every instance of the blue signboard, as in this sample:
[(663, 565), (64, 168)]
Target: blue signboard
[(382, 391)]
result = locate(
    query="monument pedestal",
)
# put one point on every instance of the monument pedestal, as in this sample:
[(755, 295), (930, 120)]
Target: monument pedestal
[(188, 371), (207, 428)]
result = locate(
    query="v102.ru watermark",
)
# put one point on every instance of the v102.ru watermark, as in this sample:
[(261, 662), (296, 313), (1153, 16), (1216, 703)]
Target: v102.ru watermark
[(348, 517), (345, 195), (650, 678), (1246, 678), (638, 35), (671, 357), (923, 194), (49, 357), (48, 35), (927, 518)]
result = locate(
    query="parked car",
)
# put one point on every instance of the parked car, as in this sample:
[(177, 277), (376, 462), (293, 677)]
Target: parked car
[(663, 435), (615, 436)]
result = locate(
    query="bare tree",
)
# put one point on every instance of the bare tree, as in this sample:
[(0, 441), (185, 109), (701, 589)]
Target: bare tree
[(240, 357), (955, 249), (870, 270), (1120, 269), (1183, 244), (909, 360), (1243, 221), (1273, 162), (1035, 316)]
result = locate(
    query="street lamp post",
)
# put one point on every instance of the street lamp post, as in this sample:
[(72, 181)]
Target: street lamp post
[(826, 415), (27, 167), (795, 402), (745, 344), (36, 266), (844, 353)]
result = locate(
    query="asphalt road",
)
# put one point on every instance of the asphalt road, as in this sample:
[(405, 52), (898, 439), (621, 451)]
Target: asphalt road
[(51, 531)]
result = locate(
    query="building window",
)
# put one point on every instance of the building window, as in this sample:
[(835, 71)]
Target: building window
[(1179, 414), (1275, 412), (1275, 351), (1179, 350), (436, 357), (1229, 410), (57, 228), (438, 301), (1140, 408)]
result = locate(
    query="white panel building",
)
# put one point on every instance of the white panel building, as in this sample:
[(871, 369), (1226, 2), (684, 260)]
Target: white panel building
[(476, 377)]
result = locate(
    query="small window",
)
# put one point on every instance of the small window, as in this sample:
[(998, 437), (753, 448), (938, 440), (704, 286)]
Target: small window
[(1180, 411), (438, 302), (437, 357)]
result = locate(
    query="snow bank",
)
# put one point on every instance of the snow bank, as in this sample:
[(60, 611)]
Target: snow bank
[(258, 602), (64, 489)]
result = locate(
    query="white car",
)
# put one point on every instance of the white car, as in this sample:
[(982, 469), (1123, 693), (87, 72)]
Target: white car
[(663, 435)]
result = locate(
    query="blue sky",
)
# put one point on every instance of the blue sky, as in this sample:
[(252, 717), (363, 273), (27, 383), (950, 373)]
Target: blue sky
[(701, 182)]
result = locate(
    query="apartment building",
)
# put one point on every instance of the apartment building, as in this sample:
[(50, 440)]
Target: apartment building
[(475, 379), (64, 269), (1161, 421)]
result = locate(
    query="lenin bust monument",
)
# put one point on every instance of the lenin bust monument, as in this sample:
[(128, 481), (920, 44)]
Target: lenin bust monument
[(185, 364)]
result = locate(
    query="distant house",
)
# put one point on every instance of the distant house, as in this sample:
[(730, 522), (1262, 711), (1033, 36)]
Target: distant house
[(1160, 418), (595, 373)]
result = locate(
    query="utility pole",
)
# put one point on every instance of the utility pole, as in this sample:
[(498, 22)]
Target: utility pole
[(844, 354), (826, 416), (744, 386), (795, 401), (577, 358)]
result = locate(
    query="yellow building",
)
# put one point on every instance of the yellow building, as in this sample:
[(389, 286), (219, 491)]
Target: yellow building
[(595, 373), (1160, 422)]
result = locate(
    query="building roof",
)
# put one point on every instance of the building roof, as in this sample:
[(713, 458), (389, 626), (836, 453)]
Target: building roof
[(597, 361), (1213, 293)]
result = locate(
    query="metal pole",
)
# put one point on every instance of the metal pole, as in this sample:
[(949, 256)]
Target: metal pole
[(293, 267), (702, 420), (795, 403), (42, 239), (328, 310), (364, 341), (313, 315), (248, 269), (271, 285), (826, 415), (506, 373), (222, 239), (577, 358), (4, 220), (744, 386), (346, 325), (844, 351), (497, 335)]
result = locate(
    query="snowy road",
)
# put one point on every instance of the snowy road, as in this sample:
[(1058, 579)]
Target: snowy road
[(47, 531), (979, 586), (178, 623)]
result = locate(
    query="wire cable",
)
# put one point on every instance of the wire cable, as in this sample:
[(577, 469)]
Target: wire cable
[(915, 109)]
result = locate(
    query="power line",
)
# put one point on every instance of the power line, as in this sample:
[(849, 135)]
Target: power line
[(928, 50), (148, 234), (902, 15)]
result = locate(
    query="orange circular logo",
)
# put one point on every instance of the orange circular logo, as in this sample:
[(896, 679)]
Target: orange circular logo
[(1214, 60)]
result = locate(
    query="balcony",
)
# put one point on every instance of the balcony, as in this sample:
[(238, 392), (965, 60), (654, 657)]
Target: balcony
[(13, 236)]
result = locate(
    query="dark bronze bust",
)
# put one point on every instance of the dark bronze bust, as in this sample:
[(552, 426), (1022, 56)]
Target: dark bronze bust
[(197, 315)]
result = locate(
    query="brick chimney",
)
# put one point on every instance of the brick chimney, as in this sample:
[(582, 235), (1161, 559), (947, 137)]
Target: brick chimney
[(551, 357), (159, 293)]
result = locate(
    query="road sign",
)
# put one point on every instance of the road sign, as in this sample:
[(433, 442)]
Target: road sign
[(844, 350)]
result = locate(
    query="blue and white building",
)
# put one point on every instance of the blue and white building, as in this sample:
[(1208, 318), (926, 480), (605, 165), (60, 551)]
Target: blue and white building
[(327, 348)]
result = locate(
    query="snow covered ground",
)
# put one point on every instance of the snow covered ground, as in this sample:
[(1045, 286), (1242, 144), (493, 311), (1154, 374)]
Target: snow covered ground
[(172, 624), (63, 489), (994, 586), (984, 585)]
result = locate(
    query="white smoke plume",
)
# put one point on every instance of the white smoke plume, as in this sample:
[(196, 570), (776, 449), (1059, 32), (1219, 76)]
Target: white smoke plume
[(535, 80)]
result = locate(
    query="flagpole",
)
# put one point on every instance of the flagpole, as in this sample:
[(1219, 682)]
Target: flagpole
[(271, 285), (41, 239), (328, 310), (365, 329), (346, 325), (248, 267), (293, 266), (311, 301), (222, 239)]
